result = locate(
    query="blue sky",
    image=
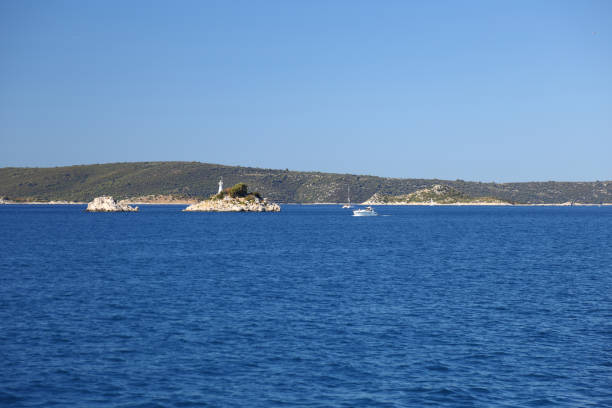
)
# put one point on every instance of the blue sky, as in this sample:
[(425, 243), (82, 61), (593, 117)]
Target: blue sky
[(477, 90)]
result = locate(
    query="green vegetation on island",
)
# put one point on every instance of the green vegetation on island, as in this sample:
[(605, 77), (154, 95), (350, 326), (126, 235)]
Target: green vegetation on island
[(438, 194), (239, 190), (235, 199), (196, 181)]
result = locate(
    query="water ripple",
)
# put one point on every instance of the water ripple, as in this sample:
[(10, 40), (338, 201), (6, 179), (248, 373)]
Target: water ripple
[(454, 307)]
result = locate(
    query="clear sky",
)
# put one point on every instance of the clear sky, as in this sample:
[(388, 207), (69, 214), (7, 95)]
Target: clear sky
[(477, 90)]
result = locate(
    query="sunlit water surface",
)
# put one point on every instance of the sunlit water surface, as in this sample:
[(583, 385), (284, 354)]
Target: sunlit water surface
[(440, 306)]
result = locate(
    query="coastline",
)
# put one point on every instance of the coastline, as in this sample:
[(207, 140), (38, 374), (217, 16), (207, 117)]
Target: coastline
[(491, 204), (442, 204), (129, 202), (79, 203), (43, 203), (188, 202)]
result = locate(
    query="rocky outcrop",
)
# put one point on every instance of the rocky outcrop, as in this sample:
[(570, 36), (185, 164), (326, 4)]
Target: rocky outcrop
[(377, 198), (108, 204), (237, 204), (436, 195)]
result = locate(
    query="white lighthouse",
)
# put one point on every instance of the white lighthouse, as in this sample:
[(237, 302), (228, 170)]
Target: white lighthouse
[(220, 185)]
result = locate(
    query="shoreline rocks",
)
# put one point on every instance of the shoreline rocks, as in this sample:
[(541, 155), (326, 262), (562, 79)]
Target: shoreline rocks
[(436, 195), (159, 199), (108, 204), (63, 202)]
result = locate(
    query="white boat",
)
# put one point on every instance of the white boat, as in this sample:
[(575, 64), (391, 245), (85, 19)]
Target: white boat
[(349, 199), (365, 212)]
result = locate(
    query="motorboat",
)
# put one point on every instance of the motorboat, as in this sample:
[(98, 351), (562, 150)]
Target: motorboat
[(365, 212)]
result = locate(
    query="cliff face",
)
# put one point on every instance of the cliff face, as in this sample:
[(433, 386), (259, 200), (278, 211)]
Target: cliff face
[(108, 204), (238, 204), (438, 194)]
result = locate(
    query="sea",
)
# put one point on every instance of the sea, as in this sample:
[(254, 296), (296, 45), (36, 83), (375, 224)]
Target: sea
[(309, 307)]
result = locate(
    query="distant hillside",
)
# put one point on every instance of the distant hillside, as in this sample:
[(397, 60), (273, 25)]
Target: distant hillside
[(438, 194), (198, 180)]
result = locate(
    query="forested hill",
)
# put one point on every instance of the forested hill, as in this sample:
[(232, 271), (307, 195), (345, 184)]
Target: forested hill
[(193, 179)]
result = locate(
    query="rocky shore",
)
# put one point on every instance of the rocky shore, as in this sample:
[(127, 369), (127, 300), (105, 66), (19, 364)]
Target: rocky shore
[(229, 204), (159, 199), (436, 195), (108, 204), (235, 199)]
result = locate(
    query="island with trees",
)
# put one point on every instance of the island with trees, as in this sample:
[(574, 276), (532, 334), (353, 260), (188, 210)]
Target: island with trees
[(235, 199)]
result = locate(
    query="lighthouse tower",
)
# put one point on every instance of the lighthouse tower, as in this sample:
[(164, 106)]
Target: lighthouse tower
[(220, 185)]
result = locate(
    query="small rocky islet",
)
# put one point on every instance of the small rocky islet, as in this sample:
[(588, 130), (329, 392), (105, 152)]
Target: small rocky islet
[(108, 204), (235, 199)]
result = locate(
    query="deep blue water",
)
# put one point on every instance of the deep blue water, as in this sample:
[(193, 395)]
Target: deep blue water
[(427, 306)]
